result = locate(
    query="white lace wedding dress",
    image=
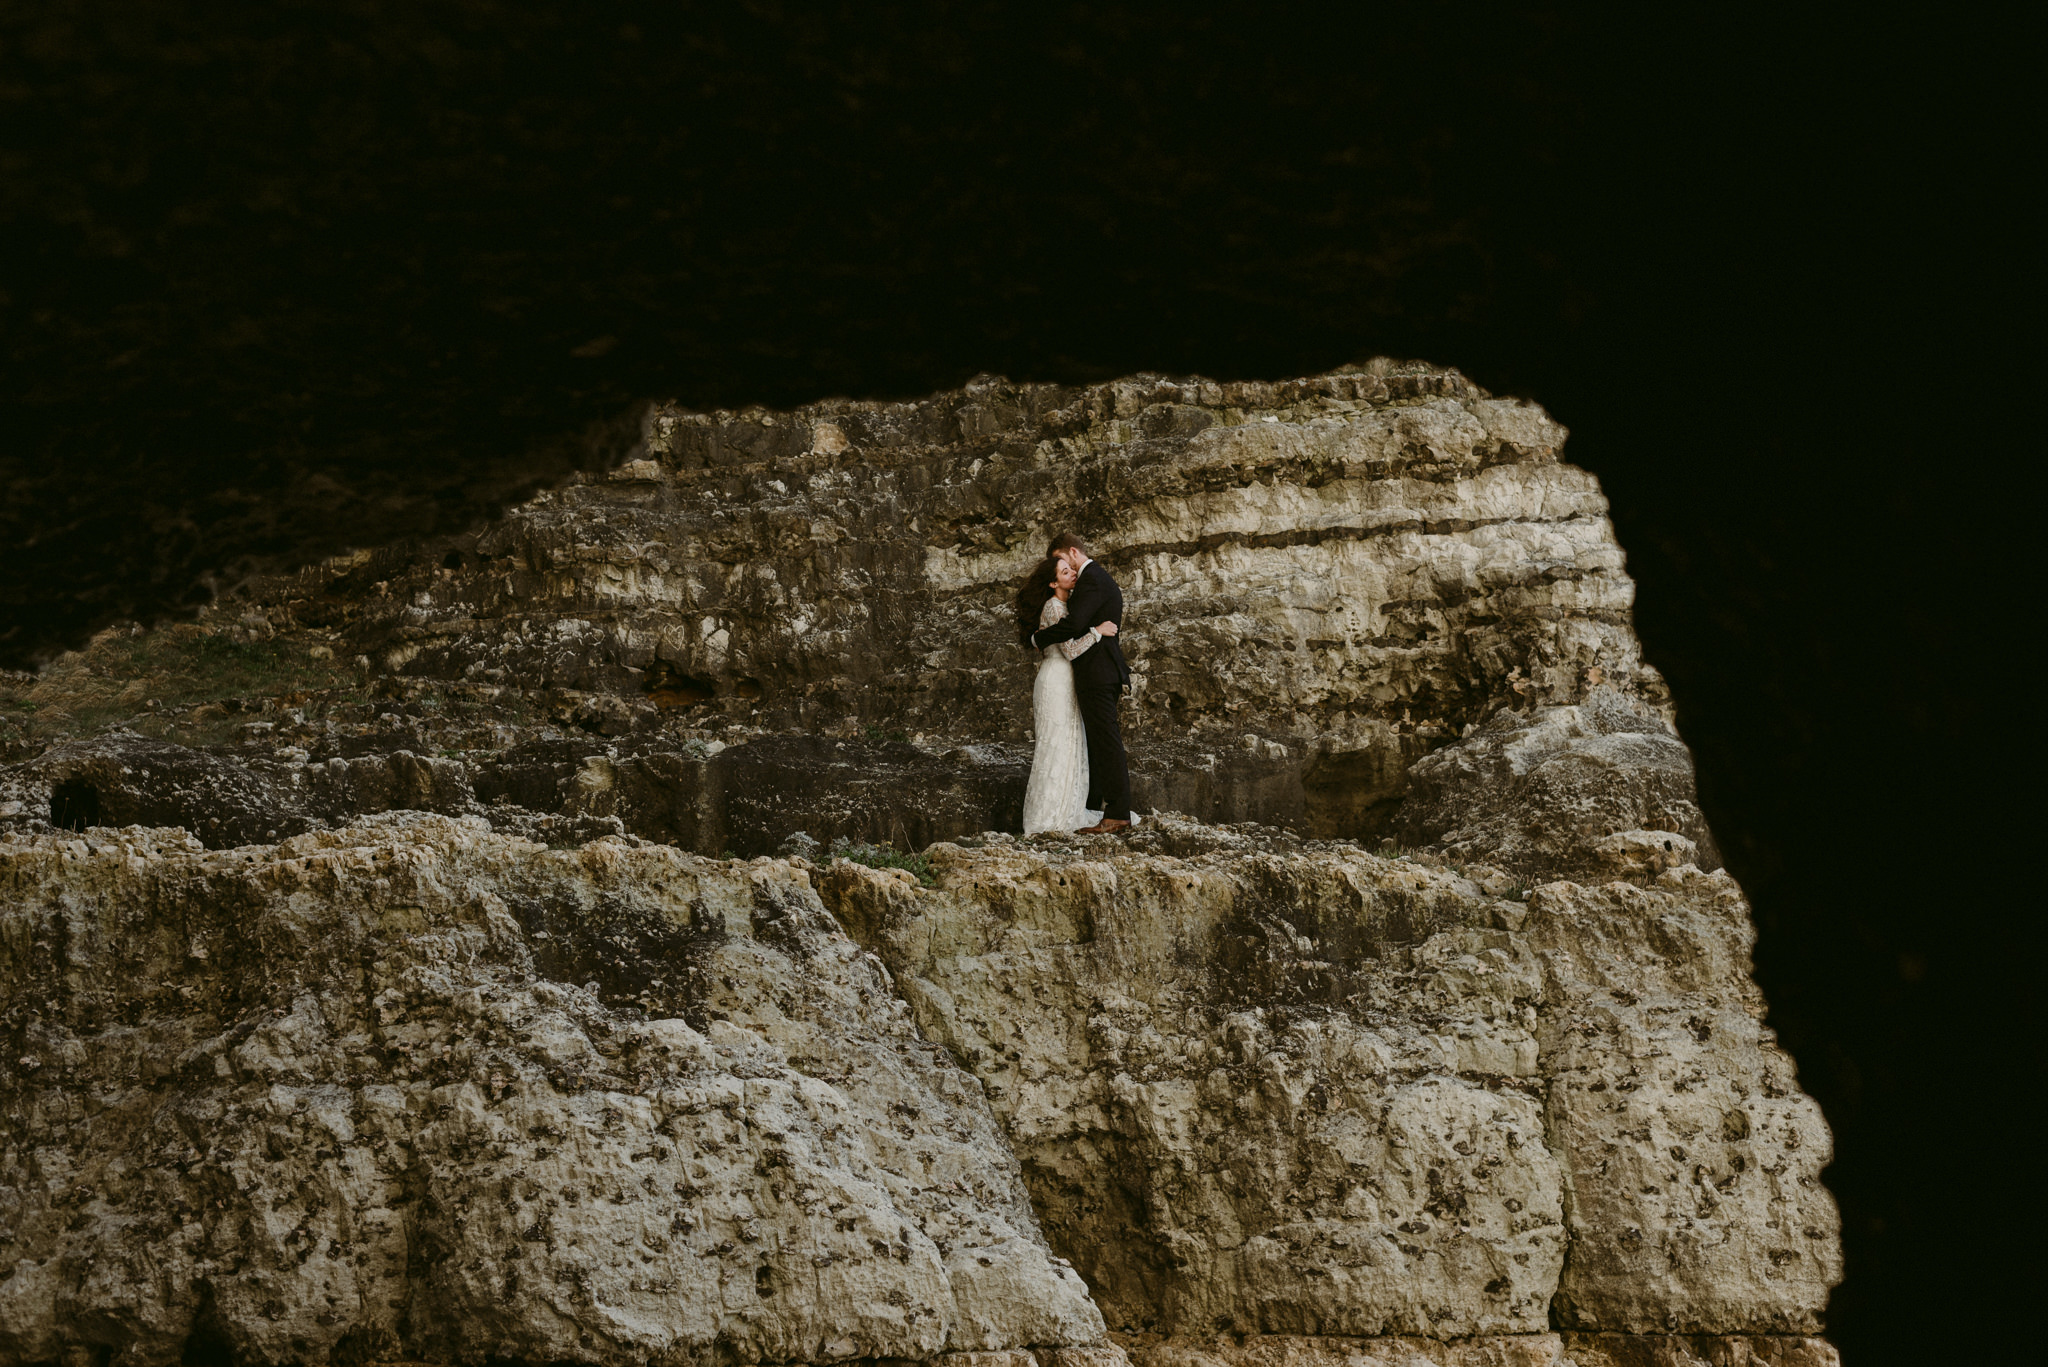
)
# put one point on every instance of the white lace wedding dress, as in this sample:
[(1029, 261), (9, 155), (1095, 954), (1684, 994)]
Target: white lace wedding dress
[(1053, 801)]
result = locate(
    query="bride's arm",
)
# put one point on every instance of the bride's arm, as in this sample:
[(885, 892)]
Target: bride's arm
[(1075, 648), (1054, 612)]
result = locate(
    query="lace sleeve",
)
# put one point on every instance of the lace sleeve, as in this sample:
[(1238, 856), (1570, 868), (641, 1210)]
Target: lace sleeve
[(1056, 611)]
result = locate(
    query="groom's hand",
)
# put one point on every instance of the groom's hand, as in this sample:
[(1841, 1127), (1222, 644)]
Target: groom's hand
[(1107, 629)]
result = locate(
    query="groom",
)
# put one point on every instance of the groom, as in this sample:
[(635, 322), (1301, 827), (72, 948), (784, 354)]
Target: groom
[(1100, 677)]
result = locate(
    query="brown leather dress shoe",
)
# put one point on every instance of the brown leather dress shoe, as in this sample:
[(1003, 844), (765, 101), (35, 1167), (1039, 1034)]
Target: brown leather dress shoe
[(1109, 825)]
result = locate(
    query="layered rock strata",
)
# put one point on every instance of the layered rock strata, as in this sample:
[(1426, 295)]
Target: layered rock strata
[(721, 641), (1596, 789), (365, 999)]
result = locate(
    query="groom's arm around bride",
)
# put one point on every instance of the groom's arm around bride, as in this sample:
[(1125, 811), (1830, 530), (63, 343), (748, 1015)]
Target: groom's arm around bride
[(1096, 600)]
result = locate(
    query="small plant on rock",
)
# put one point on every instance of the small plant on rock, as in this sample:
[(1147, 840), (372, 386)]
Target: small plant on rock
[(885, 856)]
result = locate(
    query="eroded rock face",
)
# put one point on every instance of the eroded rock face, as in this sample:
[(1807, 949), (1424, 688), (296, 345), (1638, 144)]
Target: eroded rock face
[(1311, 559), (1227, 1106), (414, 1089), (1310, 1091), (1600, 788), (492, 1078), (1325, 578), (1520, 1350), (1693, 1161)]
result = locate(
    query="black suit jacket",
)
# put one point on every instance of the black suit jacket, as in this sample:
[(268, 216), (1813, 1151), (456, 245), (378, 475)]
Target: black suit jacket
[(1096, 599)]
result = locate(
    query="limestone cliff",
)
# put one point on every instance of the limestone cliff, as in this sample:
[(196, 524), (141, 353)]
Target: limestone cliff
[(770, 622), (371, 991), (1292, 1090), (415, 1085)]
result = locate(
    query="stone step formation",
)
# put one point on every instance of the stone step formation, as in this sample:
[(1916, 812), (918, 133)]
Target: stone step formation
[(769, 622), (600, 937)]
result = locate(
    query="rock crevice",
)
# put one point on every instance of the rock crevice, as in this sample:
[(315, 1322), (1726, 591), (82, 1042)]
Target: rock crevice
[(1312, 1091)]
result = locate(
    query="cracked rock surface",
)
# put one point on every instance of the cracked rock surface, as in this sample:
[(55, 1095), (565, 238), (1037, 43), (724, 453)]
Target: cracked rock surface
[(416, 1089), (1299, 1089), (369, 994), (1593, 789)]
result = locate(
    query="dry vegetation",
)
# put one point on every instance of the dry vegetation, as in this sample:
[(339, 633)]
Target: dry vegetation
[(179, 681)]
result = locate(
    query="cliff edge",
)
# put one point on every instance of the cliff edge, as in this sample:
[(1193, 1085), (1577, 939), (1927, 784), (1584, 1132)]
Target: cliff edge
[(602, 938)]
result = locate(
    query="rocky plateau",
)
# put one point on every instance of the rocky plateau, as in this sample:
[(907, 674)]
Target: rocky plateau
[(601, 937)]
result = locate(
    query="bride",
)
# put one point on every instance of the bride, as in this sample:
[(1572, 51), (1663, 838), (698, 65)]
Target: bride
[(1057, 797)]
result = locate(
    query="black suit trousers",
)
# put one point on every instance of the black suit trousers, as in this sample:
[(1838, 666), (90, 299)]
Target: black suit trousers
[(1109, 776)]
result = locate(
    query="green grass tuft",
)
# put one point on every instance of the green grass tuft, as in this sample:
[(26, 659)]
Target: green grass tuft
[(885, 857)]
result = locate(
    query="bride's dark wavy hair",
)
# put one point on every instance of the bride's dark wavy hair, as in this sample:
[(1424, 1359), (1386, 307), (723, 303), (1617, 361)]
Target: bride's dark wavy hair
[(1031, 596)]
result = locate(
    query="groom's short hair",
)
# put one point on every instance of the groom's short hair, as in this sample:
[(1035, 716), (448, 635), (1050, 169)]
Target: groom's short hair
[(1068, 541)]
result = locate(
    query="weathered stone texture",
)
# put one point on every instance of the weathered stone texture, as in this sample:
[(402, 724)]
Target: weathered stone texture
[(1299, 558), (1312, 1091), (1207, 1155), (416, 1089), (1700, 1350), (491, 1077), (1516, 1350), (1289, 1350), (1693, 1160), (1348, 568), (1602, 787), (770, 622)]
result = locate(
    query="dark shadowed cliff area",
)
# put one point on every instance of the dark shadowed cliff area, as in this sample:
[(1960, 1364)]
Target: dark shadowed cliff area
[(282, 281)]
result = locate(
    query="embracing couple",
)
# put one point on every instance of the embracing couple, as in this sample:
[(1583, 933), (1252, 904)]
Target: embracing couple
[(1068, 611)]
